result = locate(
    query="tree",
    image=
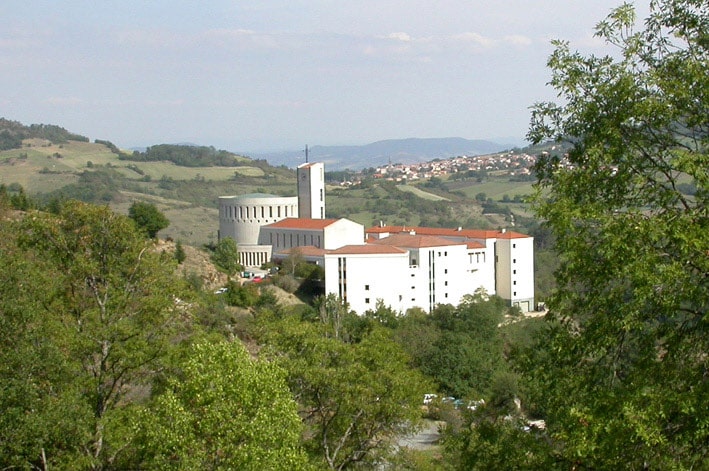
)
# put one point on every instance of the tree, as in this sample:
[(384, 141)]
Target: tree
[(356, 399), (42, 410), (226, 256), (112, 312), (222, 411), (148, 218), (179, 252), (624, 372), (291, 263)]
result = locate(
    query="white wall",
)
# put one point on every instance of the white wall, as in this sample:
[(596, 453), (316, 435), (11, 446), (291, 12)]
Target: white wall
[(241, 217), (343, 232), (368, 278), (515, 271), (311, 190), (481, 267)]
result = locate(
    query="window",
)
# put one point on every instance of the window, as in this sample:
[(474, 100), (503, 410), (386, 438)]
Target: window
[(413, 275), (514, 272), (514, 294), (514, 282), (514, 246), (445, 283), (514, 260), (366, 300), (445, 254), (446, 295), (445, 271), (413, 287), (366, 287), (400, 297)]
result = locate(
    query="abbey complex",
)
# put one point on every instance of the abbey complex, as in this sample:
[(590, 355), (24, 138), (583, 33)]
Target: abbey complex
[(403, 267)]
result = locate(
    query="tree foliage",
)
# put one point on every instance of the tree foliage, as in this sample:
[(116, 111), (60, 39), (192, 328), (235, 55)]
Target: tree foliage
[(355, 398), (223, 410), (148, 218), (459, 347), (13, 132), (624, 371), (100, 317), (226, 256), (187, 156)]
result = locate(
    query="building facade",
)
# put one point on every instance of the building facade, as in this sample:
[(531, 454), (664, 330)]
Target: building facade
[(241, 218), (500, 262), (325, 234), (311, 190)]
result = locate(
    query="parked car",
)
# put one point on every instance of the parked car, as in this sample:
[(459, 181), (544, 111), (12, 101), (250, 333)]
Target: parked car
[(221, 291)]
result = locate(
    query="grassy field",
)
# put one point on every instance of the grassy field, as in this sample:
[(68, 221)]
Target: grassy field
[(494, 188), (158, 170), (189, 196), (420, 193), (41, 166), (193, 224)]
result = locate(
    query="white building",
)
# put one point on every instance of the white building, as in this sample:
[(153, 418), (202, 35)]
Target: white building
[(325, 234), (362, 274), (311, 190), (514, 269), (404, 267), (500, 262), (241, 218)]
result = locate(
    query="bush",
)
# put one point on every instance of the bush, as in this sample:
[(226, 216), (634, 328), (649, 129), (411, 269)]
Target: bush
[(286, 282)]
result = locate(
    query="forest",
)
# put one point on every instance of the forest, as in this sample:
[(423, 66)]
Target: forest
[(116, 358)]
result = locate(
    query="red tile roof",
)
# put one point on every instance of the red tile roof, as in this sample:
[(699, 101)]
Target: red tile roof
[(302, 223), (445, 232), (511, 235), (367, 249), (415, 241), (475, 245)]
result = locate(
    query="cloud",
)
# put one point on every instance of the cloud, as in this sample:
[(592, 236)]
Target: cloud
[(400, 36), (517, 40), (475, 39)]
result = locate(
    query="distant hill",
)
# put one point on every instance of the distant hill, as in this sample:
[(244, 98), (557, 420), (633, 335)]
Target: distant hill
[(12, 134), (405, 151)]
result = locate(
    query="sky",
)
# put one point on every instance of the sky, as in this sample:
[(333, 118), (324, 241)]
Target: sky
[(279, 74)]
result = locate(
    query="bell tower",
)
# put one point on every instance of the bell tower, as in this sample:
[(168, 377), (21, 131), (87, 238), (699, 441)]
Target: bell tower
[(311, 189)]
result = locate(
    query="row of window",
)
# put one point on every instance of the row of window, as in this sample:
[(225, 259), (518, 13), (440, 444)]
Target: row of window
[(300, 240), (246, 212)]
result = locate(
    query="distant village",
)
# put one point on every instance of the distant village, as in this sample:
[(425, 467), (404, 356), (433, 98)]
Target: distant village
[(504, 163)]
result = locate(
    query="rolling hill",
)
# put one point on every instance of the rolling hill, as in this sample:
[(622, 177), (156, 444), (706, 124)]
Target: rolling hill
[(406, 151)]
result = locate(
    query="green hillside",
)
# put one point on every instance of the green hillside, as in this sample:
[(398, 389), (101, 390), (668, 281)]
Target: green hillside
[(184, 182)]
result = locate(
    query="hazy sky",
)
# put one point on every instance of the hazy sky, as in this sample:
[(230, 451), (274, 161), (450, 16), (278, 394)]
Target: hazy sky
[(271, 74)]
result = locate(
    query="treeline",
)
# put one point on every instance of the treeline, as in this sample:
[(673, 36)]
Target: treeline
[(13, 132), (186, 156)]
